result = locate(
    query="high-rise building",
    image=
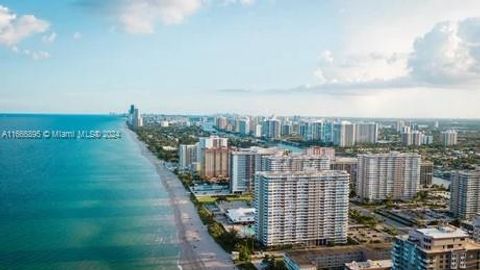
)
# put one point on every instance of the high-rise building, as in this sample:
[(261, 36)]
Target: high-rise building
[(366, 133), (344, 134), (216, 164), (301, 208), (392, 174), (476, 228), (449, 137), (412, 137), (321, 151), (427, 139), (399, 125), (243, 165), (244, 126), (214, 169), (442, 247), (286, 129), (348, 164), (271, 128), (426, 173), (137, 120), (295, 163), (465, 194), (221, 122), (311, 130), (327, 133), (187, 156), (258, 131)]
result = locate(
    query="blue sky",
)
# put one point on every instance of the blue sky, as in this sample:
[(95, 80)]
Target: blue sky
[(333, 58)]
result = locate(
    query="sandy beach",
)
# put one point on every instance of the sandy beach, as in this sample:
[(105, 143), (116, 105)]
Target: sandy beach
[(198, 250)]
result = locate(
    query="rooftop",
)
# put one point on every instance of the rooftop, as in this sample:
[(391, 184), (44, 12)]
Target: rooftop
[(305, 173), (369, 264), (442, 232)]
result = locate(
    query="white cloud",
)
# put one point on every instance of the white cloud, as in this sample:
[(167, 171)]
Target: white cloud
[(40, 55), (77, 35), (35, 55), (141, 16), (50, 38), (14, 28), (448, 54), (350, 69), (242, 2)]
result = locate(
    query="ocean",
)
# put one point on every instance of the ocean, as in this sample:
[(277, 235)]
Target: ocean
[(80, 203)]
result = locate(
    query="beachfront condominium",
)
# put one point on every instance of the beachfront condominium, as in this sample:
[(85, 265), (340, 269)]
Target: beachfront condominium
[(344, 134), (292, 162), (187, 156), (465, 194), (243, 165), (212, 157), (449, 137), (366, 133), (215, 164), (442, 247), (395, 175), (135, 119), (301, 208)]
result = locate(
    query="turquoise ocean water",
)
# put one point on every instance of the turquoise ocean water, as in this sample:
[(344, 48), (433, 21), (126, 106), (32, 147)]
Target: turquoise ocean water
[(81, 203)]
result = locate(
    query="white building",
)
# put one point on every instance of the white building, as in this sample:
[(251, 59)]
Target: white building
[(449, 137), (241, 215), (366, 133), (465, 194), (392, 174), (295, 163), (344, 134), (187, 156), (301, 208), (243, 165)]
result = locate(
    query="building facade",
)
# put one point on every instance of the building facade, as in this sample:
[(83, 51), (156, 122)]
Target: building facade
[(243, 165), (366, 133), (426, 173), (449, 137), (465, 194), (301, 208), (443, 247), (187, 156), (394, 174), (295, 163), (321, 151)]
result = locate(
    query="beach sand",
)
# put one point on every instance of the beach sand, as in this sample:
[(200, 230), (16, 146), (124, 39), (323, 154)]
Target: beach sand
[(198, 250)]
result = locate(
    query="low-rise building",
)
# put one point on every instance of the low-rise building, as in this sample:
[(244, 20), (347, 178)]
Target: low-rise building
[(370, 265), (335, 257)]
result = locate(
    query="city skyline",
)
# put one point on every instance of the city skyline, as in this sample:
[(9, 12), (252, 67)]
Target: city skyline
[(368, 59)]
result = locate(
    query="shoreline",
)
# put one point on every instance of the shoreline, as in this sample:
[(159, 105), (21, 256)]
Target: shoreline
[(198, 250)]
